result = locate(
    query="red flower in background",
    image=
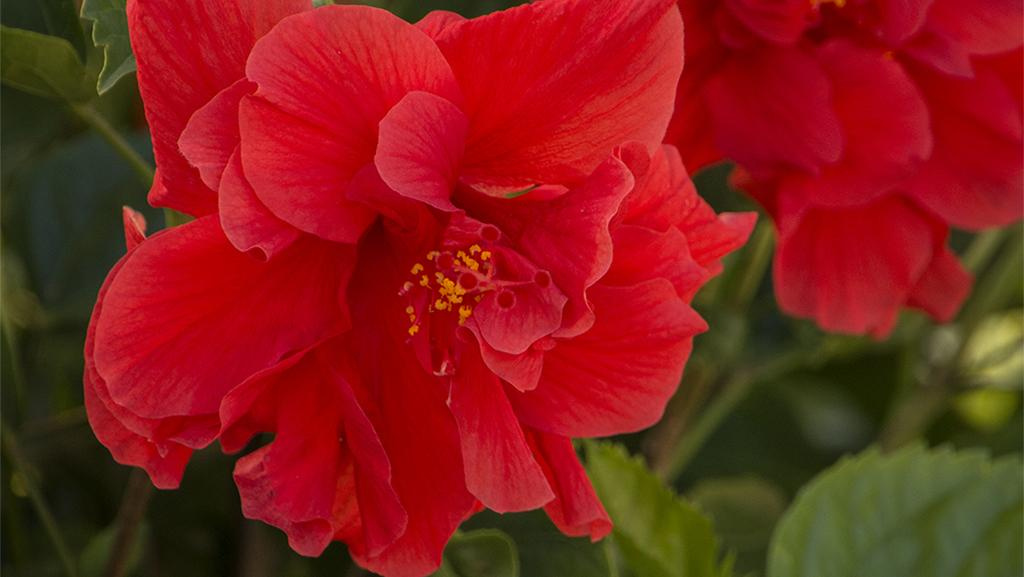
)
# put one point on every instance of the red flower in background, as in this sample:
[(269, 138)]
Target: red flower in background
[(867, 128), (424, 257)]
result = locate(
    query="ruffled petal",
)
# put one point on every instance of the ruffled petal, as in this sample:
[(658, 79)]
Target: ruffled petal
[(618, 376), (337, 455), (211, 135), (420, 147), (500, 468), (576, 510), (538, 116), (975, 176), (851, 270), (326, 79), (771, 108), (187, 52), (247, 223), (187, 317), (942, 288), (164, 462)]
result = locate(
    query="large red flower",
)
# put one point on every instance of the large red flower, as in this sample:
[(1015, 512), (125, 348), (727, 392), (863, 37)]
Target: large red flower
[(424, 257), (867, 128)]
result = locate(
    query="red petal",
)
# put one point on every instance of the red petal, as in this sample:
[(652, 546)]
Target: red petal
[(617, 377), (987, 27), (134, 227), (500, 468), (851, 270), (187, 52), (211, 135), (188, 317), (326, 79), (975, 177), (538, 116), (772, 108), (576, 510), (303, 482), (164, 462), (247, 223), (435, 23), (420, 146), (885, 125), (780, 22), (942, 288)]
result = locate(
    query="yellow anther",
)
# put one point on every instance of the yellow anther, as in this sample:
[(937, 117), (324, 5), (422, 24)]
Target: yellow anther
[(413, 330), (464, 313), (440, 305), (433, 254), (406, 287), (416, 268), (424, 281), (409, 310), (474, 249), (485, 255)]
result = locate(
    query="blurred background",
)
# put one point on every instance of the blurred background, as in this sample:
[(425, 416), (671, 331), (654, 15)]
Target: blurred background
[(767, 402)]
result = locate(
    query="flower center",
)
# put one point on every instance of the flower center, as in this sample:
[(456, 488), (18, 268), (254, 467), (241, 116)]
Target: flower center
[(448, 284)]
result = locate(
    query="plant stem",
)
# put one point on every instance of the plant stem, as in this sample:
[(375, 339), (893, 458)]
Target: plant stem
[(749, 272), (733, 393), (10, 445), (95, 120), (129, 518)]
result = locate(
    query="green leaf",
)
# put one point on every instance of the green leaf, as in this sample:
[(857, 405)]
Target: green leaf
[(110, 31), (480, 553), (658, 534), (43, 65), (544, 551), (913, 513)]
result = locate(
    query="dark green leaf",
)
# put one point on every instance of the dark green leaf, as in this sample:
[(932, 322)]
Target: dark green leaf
[(914, 513), (43, 65), (110, 31), (53, 17), (480, 553), (659, 534)]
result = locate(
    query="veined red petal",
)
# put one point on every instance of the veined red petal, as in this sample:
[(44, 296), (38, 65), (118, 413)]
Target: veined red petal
[(187, 52), (538, 116), (326, 80), (576, 510), (188, 317), (247, 223), (618, 376), (852, 269), (420, 147), (500, 468), (337, 455), (211, 135)]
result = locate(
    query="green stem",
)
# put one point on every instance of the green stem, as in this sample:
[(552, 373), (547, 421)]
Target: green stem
[(97, 122), (982, 247), (129, 519), (733, 393), (10, 445), (749, 273)]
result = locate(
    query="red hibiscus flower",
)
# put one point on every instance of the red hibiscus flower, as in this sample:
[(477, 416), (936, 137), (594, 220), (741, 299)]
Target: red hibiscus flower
[(867, 128), (424, 258)]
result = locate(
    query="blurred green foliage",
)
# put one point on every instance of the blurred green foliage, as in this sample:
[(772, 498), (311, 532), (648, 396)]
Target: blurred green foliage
[(767, 402)]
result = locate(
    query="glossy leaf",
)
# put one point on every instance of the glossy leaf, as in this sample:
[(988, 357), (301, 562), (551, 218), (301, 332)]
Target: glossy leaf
[(110, 31), (43, 65), (658, 533), (916, 512)]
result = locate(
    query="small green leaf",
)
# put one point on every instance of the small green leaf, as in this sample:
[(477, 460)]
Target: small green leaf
[(658, 534), (110, 31), (480, 553), (913, 513), (43, 65), (544, 551)]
